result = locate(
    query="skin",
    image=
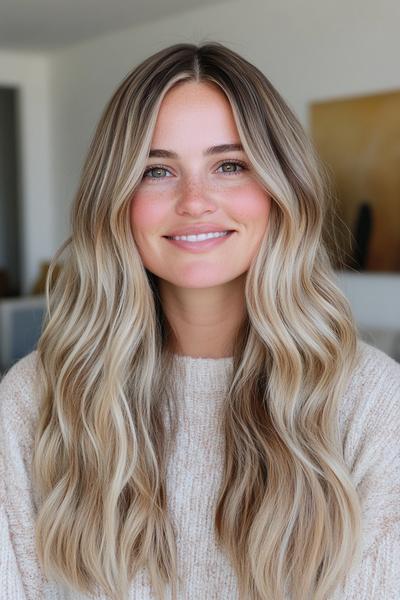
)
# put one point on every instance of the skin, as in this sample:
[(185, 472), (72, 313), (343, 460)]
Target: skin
[(202, 294)]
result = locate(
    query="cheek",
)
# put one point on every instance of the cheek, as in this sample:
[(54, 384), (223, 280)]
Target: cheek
[(146, 215), (251, 203)]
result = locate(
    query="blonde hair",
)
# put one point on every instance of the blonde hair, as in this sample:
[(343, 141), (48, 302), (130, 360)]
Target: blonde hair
[(288, 516)]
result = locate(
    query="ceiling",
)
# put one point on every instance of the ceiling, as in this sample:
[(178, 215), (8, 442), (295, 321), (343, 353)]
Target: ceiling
[(50, 24)]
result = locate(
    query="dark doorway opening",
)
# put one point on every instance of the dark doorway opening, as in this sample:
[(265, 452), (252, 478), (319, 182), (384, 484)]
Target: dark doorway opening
[(10, 206)]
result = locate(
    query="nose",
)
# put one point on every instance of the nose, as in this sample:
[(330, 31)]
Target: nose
[(195, 199)]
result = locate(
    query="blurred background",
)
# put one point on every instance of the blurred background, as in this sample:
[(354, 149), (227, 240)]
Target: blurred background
[(336, 62)]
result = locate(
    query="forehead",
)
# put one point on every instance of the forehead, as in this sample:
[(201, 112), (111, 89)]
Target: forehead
[(195, 112)]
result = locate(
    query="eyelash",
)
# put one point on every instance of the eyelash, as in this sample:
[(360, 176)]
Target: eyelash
[(225, 162)]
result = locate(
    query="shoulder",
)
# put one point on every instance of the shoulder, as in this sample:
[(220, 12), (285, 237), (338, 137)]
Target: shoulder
[(371, 450), (377, 368), (18, 395), (374, 384), (21, 372), (370, 408), (18, 504)]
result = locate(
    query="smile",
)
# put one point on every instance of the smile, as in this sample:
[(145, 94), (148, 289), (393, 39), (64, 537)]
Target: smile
[(200, 242), (200, 237)]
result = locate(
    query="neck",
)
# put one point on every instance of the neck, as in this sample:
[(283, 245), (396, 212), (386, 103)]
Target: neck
[(204, 321)]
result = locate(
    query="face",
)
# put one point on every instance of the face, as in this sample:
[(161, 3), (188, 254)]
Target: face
[(190, 184)]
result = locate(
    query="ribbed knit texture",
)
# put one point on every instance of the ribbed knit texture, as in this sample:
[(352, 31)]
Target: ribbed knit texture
[(370, 426)]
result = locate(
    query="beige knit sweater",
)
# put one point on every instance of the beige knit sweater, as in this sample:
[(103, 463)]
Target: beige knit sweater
[(370, 423)]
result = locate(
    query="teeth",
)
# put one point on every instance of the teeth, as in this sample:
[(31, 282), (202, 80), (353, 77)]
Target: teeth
[(200, 237)]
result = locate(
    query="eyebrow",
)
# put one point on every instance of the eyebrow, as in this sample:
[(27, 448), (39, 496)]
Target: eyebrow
[(211, 150)]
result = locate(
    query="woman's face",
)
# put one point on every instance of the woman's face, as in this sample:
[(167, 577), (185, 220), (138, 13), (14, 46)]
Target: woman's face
[(192, 183)]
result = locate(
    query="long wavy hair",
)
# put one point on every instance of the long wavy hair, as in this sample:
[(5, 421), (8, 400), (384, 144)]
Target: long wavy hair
[(288, 515)]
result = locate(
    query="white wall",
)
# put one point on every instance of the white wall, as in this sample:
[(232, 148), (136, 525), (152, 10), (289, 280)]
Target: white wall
[(29, 74), (374, 298)]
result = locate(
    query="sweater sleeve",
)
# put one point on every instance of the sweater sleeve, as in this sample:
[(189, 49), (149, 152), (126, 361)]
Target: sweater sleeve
[(20, 575), (372, 451), (10, 577)]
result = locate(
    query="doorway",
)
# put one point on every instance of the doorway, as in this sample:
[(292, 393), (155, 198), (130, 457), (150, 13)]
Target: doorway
[(10, 213)]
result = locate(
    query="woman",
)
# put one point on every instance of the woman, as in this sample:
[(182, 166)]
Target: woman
[(202, 420)]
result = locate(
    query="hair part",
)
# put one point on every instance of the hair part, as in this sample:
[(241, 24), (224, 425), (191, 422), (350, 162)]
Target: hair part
[(288, 515)]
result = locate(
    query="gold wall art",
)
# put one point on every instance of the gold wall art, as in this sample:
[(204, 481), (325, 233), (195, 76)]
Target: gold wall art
[(358, 140)]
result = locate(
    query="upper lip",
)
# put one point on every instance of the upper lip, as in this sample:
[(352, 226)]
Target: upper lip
[(199, 228)]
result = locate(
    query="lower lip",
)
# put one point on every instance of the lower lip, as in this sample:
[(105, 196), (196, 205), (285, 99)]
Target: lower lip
[(200, 246)]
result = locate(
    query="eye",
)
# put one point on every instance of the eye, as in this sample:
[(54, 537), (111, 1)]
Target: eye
[(231, 167), (157, 172), (234, 167)]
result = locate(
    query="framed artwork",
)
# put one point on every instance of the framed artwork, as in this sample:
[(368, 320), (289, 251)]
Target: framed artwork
[(358, 140)]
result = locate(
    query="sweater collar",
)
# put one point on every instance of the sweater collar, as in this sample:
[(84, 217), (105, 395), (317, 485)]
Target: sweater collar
[(202, 374)]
